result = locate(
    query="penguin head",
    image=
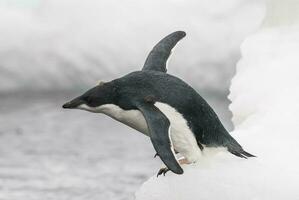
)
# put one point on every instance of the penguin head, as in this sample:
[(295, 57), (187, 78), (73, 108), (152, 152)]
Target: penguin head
[(93, 99)]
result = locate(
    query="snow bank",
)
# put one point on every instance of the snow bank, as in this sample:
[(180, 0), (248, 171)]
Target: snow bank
[(265, 96), (66, 44)]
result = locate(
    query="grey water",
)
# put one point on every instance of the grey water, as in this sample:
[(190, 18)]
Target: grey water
[(50, 153)]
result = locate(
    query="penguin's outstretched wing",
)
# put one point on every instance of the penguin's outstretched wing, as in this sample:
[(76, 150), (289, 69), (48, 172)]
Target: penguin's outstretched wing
[(159, 125), (157, 58)]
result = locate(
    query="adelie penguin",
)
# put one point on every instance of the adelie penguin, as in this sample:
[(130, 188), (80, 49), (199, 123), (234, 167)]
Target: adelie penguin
[(165, 108)]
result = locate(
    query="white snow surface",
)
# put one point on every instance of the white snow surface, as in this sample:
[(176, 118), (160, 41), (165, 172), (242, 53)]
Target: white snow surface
[(265, 96), (69, 44)]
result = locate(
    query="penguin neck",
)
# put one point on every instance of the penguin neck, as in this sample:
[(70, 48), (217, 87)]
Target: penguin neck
[(132, 118)]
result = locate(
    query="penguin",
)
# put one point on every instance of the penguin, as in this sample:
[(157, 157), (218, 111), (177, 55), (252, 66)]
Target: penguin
[(163, 107)]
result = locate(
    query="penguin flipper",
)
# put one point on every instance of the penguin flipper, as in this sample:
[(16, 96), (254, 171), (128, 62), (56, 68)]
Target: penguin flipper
[(157, 58), (159, 127)]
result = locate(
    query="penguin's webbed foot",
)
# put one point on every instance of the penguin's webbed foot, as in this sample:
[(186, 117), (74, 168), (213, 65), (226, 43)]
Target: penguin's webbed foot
[(163, 171)]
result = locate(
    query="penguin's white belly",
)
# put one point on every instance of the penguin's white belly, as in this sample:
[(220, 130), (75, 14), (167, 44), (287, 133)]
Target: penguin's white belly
[(182, 138)]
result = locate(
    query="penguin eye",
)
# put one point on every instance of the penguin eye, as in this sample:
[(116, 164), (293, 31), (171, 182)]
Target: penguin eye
[(92, 101)]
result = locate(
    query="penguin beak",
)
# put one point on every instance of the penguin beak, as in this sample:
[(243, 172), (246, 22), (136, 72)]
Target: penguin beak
[(73, 104)]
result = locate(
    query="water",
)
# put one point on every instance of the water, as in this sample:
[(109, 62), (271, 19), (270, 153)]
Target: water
[(50, 153)]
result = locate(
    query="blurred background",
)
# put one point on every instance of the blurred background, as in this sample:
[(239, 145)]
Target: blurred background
[(53, 50)]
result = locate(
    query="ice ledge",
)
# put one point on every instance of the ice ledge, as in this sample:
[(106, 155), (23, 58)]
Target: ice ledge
[(265, 96), (201, 181)]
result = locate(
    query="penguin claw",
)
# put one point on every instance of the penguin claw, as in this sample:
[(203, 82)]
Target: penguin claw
[(156, 155), (163, 171)]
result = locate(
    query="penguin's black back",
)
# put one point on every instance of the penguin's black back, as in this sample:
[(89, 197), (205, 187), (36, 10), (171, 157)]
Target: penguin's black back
[(171, 90)]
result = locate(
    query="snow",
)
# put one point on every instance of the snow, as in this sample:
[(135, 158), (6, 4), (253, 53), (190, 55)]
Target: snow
[(69, 44), (265, 96)]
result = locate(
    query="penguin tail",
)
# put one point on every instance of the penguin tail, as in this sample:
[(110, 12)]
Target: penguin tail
[(236, 149), (241, 153)]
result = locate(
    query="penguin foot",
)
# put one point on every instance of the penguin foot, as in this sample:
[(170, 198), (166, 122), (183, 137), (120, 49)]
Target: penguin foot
[(163, 171)]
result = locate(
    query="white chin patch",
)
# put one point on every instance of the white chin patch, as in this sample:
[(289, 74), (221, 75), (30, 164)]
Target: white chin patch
[(107, 108), (87, 108)]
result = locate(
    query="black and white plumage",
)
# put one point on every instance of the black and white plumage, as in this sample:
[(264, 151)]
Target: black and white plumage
[(163, 107)]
